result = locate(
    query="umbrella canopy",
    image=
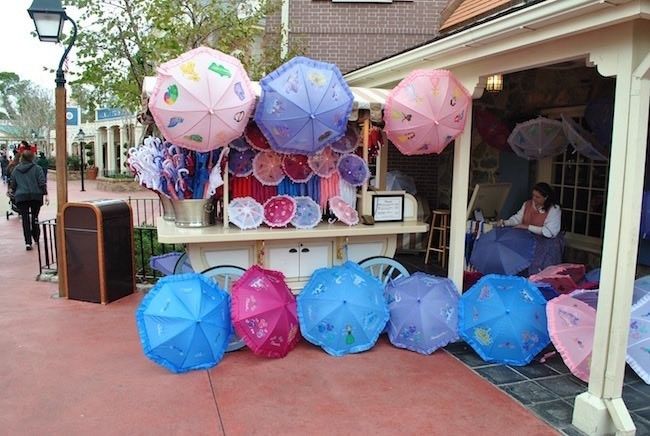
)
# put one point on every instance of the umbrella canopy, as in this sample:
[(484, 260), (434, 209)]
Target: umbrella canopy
[(184, 323), (398, 181), (202, 100), (308, 213), (296, 167), (343, 211), (638, 346), (245, 213), (342, 309), (583, 142), (353, 169), (563, 277), (349, 142), (503, 318), (304, 106), (240, 163), (571, 326), (426, 111), (267, 168), (423, 312), (538, 138), (503, 251), (264, 312), (492, 129), (324, 163), (255, 137), (279, 210), (166, 263)]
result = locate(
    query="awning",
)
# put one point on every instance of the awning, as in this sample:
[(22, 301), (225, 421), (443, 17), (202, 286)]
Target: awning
[(370, 99)]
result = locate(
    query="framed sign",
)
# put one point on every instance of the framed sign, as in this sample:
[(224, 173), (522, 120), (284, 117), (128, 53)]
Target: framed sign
[(388, 208)]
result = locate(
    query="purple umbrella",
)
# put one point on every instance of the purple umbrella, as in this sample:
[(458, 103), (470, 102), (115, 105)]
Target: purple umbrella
[(423, 312), (353, 169), (166, 263), (348, 143), (240, 163), (304, 106), (503, 251)]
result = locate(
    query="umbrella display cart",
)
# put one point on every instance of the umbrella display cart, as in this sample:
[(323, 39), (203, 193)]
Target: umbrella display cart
[(297, 252)]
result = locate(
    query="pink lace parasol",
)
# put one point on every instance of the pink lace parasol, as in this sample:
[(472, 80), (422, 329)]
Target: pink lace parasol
[(343, 211), (279, 210), (349, 142), (296, 167), (324, 163), (255, 137), (267, 168)]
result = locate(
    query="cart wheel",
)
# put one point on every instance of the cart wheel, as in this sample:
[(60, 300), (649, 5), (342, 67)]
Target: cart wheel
[(183, 265), (384, 268), (225, 276)]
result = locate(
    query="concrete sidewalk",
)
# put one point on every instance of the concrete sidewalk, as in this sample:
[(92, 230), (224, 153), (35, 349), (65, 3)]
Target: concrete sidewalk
[(73, 368)]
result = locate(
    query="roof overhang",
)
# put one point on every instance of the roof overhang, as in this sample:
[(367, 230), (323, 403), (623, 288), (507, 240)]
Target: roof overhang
[(537, 24)]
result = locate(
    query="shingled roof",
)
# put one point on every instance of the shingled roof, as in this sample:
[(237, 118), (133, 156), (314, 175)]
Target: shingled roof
[(460, 12)]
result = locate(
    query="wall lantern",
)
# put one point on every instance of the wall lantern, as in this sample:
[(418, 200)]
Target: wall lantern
[(494, 83)]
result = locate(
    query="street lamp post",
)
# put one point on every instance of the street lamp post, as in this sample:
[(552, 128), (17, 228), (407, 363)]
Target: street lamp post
[(82, 151), (49, 17)]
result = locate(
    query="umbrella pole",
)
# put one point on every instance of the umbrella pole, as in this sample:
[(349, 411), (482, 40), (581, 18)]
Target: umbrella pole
[(226, 187), (364, 188)]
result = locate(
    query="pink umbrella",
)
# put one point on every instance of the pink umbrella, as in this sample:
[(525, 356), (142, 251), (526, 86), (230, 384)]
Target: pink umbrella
[(267, 168), (324, 163), (426, 111), (202, 100), (349, 142), (343, 211), (296, 167), (571, 325), (279, 210), (264, 312)]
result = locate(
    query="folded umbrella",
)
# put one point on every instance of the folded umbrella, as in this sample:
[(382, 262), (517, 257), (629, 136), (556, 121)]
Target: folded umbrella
[(503, 251)]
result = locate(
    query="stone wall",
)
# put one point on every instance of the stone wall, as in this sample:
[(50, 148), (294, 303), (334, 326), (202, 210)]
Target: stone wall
[(118, 185)]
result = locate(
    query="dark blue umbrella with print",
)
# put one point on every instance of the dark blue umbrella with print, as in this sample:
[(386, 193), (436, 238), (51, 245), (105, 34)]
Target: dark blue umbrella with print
[(503, 251)]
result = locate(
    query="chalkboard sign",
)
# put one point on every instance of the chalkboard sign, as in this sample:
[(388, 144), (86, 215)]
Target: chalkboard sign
[(388, 208)]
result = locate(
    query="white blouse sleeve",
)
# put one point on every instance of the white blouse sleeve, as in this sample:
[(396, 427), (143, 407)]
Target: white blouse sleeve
[(552, 224), (517, 218)]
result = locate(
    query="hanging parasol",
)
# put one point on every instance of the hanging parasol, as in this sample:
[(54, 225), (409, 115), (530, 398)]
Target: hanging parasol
[(538, 138), (202, 100), (267, 168), (245, 213), (324, 164), (296, 167), (279, 210), (240, 144), (304, 106), (353, 169), (492, 129), (240, 163), (308, 213), (426, 111), (255, 137), (349, 142), (583, 142)]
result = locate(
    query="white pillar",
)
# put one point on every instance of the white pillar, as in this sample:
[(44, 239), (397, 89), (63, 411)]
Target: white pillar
[(110, 150), (121, 148), (601, 409), (98, 149)]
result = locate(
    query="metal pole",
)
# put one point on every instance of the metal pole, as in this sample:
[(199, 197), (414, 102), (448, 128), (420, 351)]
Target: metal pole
[(83, 151), (61, 161)]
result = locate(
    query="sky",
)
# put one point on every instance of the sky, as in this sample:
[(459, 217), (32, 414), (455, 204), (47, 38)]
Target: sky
[(22, 53)]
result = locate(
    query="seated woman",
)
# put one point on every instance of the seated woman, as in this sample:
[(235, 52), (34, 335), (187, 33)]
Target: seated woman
[(542, 216)]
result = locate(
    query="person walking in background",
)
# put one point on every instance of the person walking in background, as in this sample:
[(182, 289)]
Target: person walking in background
[(29, 188), (13, 164), (43, 163), (4, 163)]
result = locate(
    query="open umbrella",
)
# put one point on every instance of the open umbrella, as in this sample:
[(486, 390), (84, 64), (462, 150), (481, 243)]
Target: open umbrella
[(348, 142), (538, 138), (308, 213), (571, 325), (279, 210), (583, 142), (240, 144), (564, 278), (423, 312), (342, 309), (426, 111), (503, 318), (296, 167), (165, 263), (267, 168), (245, 213), (638, 346), (184, 322), (492, 129), (255, 137), (202, 100), (503, 251), (264, 312), (304, 106), (398, 181), (353, 169), (324, 163), (240, 163), (343, 211)]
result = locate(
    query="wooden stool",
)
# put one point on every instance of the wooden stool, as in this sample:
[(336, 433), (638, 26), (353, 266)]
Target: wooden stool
[(440, 226)]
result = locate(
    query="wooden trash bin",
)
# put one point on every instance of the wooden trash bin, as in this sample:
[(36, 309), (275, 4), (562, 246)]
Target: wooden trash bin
[(97, 262)]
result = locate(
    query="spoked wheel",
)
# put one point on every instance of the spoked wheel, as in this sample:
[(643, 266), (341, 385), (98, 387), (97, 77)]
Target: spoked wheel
[(183, 265), (386, 269), (225, 276)]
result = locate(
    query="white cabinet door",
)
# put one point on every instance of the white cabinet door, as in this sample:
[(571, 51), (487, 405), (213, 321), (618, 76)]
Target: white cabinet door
[(314, 255), (360, 248), (284, 258)]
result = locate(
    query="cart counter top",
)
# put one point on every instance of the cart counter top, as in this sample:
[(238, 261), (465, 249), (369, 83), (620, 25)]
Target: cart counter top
[(169, 233)]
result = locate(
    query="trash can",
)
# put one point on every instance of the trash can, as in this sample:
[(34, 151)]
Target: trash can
[(98, 251)]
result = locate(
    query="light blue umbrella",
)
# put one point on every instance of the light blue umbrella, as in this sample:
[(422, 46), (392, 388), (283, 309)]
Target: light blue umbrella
[(342, 309), (503, 318), (305, 105), (184, 322)]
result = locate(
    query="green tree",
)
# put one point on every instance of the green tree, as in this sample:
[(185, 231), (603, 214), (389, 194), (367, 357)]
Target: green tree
[(122, 41), (85, 97)]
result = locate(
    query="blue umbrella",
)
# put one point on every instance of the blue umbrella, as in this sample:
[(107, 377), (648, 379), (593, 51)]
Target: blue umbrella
[(342, 309), (184, 323), (503, 318), (423, 312), (304, 106), (503, 251)]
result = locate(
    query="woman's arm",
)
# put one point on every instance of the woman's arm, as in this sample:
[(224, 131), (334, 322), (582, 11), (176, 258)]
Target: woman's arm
[(516, 218), (552, 224)]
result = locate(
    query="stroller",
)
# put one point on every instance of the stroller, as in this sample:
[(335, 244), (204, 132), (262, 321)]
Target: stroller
[(12, 205)]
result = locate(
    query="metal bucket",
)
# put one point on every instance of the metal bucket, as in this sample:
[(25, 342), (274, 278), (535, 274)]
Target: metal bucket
[(168, 208), (194, 213)]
